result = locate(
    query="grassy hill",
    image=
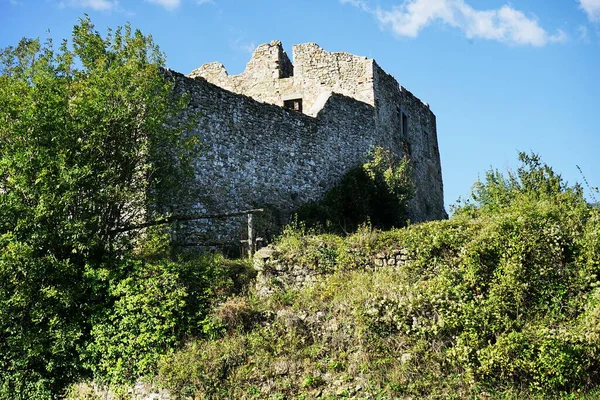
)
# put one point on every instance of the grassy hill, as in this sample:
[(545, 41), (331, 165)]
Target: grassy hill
[(500, 301)]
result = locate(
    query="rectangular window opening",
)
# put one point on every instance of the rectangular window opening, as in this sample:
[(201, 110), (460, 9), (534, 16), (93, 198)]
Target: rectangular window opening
[(405, 125), (293, 104)]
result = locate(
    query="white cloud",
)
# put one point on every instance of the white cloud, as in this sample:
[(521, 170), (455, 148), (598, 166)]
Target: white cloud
[(591, 8), (411, 17), (505, 24), (98, 5), (356, 3), (583, 33), (168, 4), (205, 2)]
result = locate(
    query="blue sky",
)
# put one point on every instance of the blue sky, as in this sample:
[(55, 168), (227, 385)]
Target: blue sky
[(500, 76)]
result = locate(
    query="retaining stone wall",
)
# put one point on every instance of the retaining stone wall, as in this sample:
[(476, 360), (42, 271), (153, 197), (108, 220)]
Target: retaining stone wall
[(278, 271)]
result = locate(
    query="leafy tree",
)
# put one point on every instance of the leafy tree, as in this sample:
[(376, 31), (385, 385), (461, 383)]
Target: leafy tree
[(87, 141), (532, 182)]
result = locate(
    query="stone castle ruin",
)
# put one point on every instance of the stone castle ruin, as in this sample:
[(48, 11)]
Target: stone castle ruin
[(280, 134)]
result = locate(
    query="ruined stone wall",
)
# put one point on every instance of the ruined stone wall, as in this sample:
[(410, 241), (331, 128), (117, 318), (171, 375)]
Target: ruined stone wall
[(279, 270), (317, 73), (261, 155), (417, 138), (270, 76)]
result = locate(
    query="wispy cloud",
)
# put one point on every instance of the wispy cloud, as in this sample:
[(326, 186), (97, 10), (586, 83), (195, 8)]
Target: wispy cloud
[(239, 44), (505, 24), (357, 3), (205, 2), (238, 41), (591, 8), (583, 34), (167, 4), (98, 5)]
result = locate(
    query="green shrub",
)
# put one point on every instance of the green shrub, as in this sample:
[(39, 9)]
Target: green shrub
[(145, 321), (376, 192), (154, 307)]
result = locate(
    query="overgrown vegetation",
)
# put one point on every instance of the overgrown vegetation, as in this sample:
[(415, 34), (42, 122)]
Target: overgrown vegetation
[(376, 192), (85, 147), (500, 301)]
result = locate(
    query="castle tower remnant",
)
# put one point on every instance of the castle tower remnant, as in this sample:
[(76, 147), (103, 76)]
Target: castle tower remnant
[(323, 113)]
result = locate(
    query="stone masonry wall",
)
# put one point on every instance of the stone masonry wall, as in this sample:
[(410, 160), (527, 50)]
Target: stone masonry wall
[(270, 77), (418, 142), (318, 73), (260, 155), (279, 271)]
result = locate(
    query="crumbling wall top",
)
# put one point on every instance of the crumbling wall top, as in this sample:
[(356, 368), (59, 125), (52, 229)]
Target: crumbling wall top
[(318, 71), (303, 86), (306, 51), (269, 60), (214, 71)]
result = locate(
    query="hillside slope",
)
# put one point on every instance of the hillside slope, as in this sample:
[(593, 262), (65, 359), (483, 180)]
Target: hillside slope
[(500, 301)]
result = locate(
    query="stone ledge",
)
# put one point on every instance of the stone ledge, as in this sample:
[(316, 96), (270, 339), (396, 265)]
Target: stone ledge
[(278, 271)]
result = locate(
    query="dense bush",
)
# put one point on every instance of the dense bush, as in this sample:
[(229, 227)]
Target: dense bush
[(376, 192), (155, 307)]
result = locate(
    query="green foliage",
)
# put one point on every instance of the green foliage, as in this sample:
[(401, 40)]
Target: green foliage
[(377, 192), (84, 148), (533, 181), (501, 301), (155, 303), (39, 325), (144, 322)]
